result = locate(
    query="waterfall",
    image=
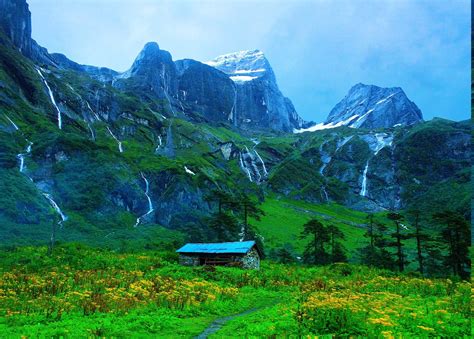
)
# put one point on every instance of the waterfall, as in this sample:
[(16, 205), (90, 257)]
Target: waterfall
[(150, 203), (253, 164), (22, 156), (147, 190), (189, 171), (165, 88), (261, 160), (87, 103), (323, 189), (118, 141), (22, 162), (249, 165), (231, 116), (160, 143), (363, 190), (383, 140), (56, 207), (92, 132), (53, 203), (325, 158), (245, 168), (90, 109), (342, 142), (11, 121), (51, 96)]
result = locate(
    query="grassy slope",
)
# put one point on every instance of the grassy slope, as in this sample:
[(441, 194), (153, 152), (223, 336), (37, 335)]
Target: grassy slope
[(284, 220)]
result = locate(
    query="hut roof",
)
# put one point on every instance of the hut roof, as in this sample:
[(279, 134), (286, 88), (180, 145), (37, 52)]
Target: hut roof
[(239, 247)]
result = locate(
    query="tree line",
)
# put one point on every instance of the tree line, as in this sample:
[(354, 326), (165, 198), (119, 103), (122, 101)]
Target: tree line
[(441, 249), (442, 239)]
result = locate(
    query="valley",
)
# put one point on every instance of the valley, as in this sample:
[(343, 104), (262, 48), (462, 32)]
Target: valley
[(105, 174)]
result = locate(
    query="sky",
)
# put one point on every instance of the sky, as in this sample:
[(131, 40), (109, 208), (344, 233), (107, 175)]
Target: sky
[(318, 49)]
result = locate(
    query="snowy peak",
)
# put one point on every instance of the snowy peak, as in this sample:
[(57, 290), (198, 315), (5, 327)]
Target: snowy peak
[(369, 106), (243, 66)]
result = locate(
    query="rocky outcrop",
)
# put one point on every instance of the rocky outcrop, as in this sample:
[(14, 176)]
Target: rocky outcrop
[(153, 73), (102, 74), (15, 21), (368, 106), (259, 102), (205, 90), (371, 107)]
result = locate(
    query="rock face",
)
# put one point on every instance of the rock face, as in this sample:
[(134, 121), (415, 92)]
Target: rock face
[(368, 106), (152, 72), (205, 90), (99, 73), (259, 102), (15, 20)]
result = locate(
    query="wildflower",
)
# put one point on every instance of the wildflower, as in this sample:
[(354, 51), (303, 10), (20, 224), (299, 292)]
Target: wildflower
[(425, 328)]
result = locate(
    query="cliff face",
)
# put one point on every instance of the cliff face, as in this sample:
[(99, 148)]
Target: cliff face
[(205, 90), (15, 20), (259, 102), (369, 106)]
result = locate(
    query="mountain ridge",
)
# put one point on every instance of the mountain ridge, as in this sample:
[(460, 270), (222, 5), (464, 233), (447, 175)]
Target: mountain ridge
[(124, 155)]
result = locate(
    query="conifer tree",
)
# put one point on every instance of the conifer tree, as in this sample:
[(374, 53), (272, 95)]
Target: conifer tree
[(315, 252), (337, 249), (455, 234)]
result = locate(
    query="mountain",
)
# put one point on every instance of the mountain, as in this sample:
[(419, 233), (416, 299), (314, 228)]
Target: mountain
[(371, 107), (205, 90), (115, 157), (259, 102)]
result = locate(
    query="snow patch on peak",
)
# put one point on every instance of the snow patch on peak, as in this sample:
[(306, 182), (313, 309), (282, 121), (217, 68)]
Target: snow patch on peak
[(322, 125), (242, 78), (242, 66)]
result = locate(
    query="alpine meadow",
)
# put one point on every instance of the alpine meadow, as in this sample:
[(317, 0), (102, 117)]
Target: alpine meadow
[(185, 198)]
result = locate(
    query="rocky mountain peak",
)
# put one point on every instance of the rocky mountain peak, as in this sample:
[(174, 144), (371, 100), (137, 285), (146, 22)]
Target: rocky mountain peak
[(370, 106), (243, 66), (151, 58)]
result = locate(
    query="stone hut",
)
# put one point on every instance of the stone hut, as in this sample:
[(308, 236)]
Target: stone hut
[(245, 254)]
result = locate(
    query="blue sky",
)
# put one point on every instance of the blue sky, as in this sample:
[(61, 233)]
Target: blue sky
[(318, 49)]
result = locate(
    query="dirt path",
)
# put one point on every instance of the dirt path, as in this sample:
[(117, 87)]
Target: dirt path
[(217, 324)]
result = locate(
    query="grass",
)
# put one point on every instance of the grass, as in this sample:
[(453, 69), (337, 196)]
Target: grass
[(284, 220), (79, 291)]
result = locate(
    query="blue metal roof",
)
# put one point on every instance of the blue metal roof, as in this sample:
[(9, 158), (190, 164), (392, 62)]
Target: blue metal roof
[(223, 247)]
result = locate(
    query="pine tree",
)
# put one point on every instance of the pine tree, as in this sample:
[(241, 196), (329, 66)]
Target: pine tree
[(222, 198), (421, 239), (455, 234), (337, 249), (315, 252), (284, 255), (225, 227), (397, 219), (375, 253)]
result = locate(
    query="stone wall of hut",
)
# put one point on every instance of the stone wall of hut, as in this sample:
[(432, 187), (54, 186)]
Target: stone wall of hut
[(186, 260), (251, 260)]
